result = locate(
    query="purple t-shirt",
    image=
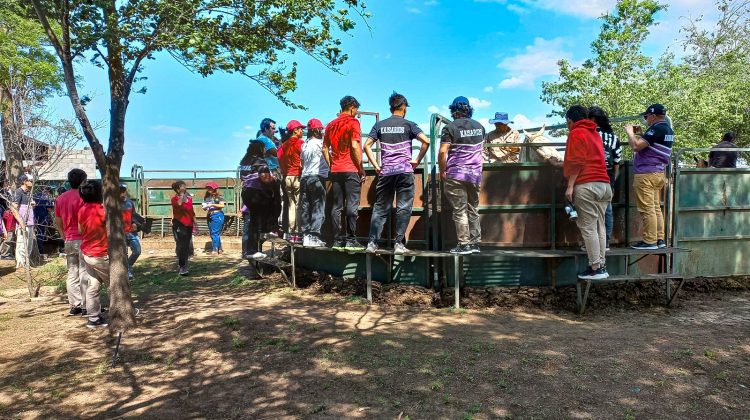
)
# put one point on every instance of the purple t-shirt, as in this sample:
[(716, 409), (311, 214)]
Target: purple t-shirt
[(395, 135), (655, 157), (466, 137)]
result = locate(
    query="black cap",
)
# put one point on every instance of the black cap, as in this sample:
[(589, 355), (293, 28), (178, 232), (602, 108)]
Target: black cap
[(123, 186), (656, 109)]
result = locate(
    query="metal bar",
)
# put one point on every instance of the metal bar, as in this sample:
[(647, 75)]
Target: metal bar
[(294, 271), (368, 265), (714, 208), (676, 290), (716, 238), (187, 171), (668, 289), (579, 296), (456, 280), (552, 214), (117, 349), (627, 202), (585, 296)]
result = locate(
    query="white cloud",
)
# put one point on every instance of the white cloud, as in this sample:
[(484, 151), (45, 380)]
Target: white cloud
[(587, 9), (442, 110), (169, 129), (414, 10), (430, 3), (536, 61), (489, 89), (521, 121), (477, 103), (247, 132)]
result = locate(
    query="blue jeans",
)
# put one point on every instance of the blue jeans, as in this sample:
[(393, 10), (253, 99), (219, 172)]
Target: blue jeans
[(132, 242), (215, 223)]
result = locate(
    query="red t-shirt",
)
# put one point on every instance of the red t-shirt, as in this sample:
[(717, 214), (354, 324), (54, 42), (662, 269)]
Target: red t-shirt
[(184, 213), (338, 136), (92, 220), (289, 157), (584, 154), (66, 208)]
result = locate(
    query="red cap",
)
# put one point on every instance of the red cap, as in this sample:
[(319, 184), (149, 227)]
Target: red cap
[(314, 123), (212, 185), (291, 125)]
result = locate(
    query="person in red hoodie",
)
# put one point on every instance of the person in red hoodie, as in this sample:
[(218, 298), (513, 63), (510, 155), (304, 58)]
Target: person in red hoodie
[(291, 167), (588, 187), (94, 246)]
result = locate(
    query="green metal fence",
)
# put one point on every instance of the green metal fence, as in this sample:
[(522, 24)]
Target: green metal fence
[(711, 217)]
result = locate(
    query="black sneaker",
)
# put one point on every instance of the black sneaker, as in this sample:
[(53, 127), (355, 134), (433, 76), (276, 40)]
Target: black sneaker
[(84, 312), (590, 274), (473, 248), (100, 322), (661, 244), (644, 245), (339, 245), (75, 311), (352, 245), (460, 250)]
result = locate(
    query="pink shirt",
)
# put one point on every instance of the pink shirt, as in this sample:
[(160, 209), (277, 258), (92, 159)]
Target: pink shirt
[(66, 208)]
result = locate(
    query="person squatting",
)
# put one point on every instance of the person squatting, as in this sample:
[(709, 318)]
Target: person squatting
[(324, 173)]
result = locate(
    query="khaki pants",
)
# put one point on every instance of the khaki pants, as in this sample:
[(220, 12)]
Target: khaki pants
[(25, 242), (97, 269), (591, 200), (648, 199), (77, 281), (464, 199), (291, 188)]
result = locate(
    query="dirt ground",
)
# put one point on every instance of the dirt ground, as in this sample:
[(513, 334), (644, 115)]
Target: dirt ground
[(220, 345)]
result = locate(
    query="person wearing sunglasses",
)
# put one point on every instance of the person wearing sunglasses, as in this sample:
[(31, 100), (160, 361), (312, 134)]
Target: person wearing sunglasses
[(653, 150)]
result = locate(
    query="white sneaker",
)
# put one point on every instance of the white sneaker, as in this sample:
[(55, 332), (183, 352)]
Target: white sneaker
[(316, 242), (306, 240), (258, 255), (400, 248), (371, 247)]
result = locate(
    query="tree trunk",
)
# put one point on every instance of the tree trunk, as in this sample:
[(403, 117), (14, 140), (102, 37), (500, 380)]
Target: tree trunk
[(9, 132), (121, 311)]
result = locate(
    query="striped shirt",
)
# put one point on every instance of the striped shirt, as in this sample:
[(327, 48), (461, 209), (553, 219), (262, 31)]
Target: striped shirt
[(612, 149), (655, 157)]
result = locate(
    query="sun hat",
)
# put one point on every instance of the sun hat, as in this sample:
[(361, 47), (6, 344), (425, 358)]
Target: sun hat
[(502, 118), (212, 185)]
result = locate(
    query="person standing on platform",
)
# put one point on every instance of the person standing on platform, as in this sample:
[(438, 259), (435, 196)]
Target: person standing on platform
[(653, 150), (460, 160), (290, 165), (612, 156), (312, 200), (342, 150), (267, 136), (213, 204), (395, 171), (183, 223), (588, 187), (66, 223)]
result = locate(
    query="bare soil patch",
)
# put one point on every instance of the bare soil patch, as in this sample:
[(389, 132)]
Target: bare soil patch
[(219, 345)]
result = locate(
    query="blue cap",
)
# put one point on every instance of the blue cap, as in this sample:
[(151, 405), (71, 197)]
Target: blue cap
[(460, 100), (502, 118)]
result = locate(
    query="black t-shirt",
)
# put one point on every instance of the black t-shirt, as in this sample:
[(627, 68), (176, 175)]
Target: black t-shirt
[(723, 159), (22, 198), (395, 135)]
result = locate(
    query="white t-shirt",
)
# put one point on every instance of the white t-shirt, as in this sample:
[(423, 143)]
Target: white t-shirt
[(313, 163)]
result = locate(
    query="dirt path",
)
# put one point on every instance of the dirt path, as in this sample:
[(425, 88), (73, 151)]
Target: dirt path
[(219, 346)]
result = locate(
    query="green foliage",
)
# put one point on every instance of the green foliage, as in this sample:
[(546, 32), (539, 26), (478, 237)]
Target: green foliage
[(255, 39), (707, 92), (24, 58)]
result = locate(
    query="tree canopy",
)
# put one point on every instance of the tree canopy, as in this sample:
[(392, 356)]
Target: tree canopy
[(705, 91)]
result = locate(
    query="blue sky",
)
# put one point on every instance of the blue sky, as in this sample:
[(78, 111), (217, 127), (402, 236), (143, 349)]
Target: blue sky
[(496, 52)]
